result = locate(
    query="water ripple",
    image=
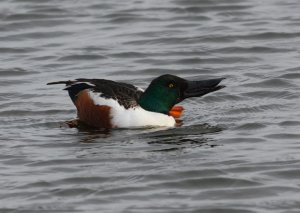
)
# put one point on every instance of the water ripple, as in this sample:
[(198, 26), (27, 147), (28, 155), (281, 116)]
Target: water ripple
[(237, 149)]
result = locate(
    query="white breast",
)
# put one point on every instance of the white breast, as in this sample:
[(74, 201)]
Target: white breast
[(133, 117)]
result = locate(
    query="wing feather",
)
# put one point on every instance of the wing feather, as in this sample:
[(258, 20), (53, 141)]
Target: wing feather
[(127, 95)]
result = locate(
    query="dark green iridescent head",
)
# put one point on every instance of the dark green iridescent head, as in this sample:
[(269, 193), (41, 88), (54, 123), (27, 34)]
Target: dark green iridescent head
[(167, 90)]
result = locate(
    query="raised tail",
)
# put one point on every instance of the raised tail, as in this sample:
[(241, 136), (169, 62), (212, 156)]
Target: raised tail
[(67, 83), (73, 87)]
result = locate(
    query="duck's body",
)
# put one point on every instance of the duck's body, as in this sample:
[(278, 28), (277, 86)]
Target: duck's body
[(98, 111), (108, 104)]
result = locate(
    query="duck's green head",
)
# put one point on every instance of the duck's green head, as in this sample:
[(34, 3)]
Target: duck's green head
[(167, 90)]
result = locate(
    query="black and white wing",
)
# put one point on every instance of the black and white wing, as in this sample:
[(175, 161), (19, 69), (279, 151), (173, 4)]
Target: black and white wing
[(125, 94)]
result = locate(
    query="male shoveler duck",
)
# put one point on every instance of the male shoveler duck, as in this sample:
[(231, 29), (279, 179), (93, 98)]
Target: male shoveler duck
[(108, 104)]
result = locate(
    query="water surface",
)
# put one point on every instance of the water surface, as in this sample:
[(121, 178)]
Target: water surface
[(238, 150)]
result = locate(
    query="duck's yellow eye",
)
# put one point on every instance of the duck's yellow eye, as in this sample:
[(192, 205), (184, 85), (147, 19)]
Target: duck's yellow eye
[(171, 85)]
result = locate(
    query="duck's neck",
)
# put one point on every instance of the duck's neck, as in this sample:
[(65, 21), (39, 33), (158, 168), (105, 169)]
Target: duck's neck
[(151, 102)]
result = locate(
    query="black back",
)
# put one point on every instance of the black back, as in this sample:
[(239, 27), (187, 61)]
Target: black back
[(127, 95)]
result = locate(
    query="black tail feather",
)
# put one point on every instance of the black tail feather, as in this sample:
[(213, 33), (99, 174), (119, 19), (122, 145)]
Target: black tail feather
[(61, 82), (73, 87)]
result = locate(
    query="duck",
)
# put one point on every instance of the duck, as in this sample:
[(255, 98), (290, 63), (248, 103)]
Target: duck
[(107, 104)]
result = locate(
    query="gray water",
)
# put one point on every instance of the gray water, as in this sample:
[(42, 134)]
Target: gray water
[(238, 150)]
